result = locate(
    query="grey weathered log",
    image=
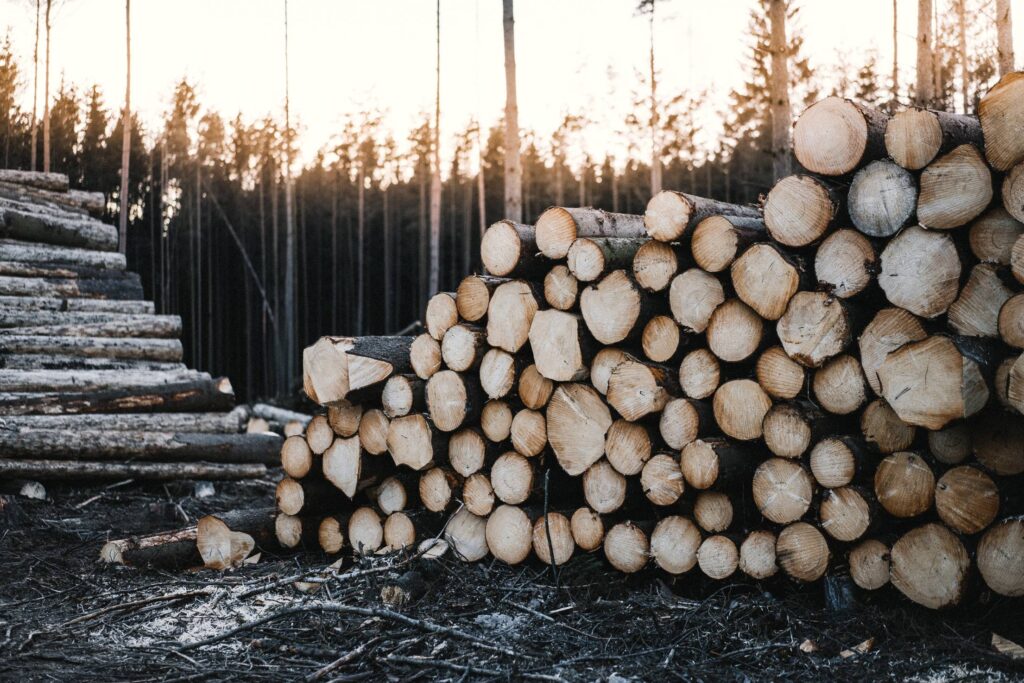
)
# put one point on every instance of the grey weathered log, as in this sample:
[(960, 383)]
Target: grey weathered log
[(29, 222), (94, 347), (95, 380), (123, 287), (79, 201), (558, 227), (55, 182), (32, 361), (670, 214), (45, 303), (100, 444), (31, 252), (201, 395), (81, 470), (836, 136), (78, 324), (882, 198), (210, 423)]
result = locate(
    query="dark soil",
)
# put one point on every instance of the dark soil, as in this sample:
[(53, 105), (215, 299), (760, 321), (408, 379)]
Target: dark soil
[(63, 616)]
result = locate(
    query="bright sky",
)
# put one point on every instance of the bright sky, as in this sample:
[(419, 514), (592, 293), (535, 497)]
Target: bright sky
[(349, 54)]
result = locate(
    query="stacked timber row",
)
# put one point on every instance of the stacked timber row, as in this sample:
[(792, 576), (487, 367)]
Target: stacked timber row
[(92, 386), (830, 382)]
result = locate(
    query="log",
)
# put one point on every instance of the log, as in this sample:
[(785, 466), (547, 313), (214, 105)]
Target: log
[(604, 488), (529, 432), (890, 329), (534, 389), (757, 555), (778, 374), (604, 362), (97, 444), (950, 445), (654, 265), (955, 189), (839, 385), (660, 339), (835, 136), (165, 350), (441, 314), (975, 313), (32, 252), (436, 487), (1013, 192), (718, 557), (365, 531), (319, 434), (799, 209), (473, 296), (845, 263), (627, 447), (996, 438), (904, 485), (28, 361), (670, 215), (510, 314), (1000, 557), (54, 182), (343, 418), (966, 499), (33, 223), (1010, 322), (837, 461), (1017, 259), (929, 566), (509, 249), (391, 496), (718, 240), (869, 564), (814, 328), (883, 429), (577, 421), (992, 236), (343, 465), (626, 547), (496, 420), (466, 452), (201, 395), (463, 347), (699, 374), (735, 331), (498, 373), (335, 366), (209, 423), (478, 494), (1001, 121), (844, 514), (331, 534), (560, 288), (683, 420), (712, 510), (615, 309), (715, 462), (80, 470), (399, 532), (553, 543), (638, 389), (120, 287), (373, 432), (296, 457), (466, 533), (1001, 380), (587, 529), (766, 279), (882, 198), (452, 400), (307, 496), (558, 227), (693, 297), (662, 480), (403, 394), (802, 552), (95, 380), (932, 382), (740, 406), (591, 258), (562, 346), (219, 546), (789, 429), (411, 441), (509, 534), (782, 490), (42, 303), (914, 137)]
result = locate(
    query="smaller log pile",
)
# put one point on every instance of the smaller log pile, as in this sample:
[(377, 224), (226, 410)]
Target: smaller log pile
[(92, 386)]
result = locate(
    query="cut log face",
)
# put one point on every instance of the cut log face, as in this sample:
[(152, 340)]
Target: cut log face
[(552, 539), (930, 383), (590, 258), (883, 428), (399, 395), (450, 400), (558, 227), (627, 447), (844, 263), (496, 420), (1013, 192), (331, 535), (660, 339), (844, 514), (587, 529), (603, 487), (626, 547), (950, 445), (966, 499), (674, 544), (718, 240), (577, 421), (833, 462), (778, 374), (654, 265), (365, 531), (740, 407), (839, 385), (441, 314), (478, 494), (814, 328), (1002, 120), (929, 565), (335, 366), (410, 441), (219, 546), (612, 307), (975, 313), (718, 557), (509, 315), (712, 510), (693, 297), (765, 280), (425, 356), (373, 432), (529, 432), (904, 485), (834, 136), (890, 329), (787, 430), (399, 531), (391, 496), (636, 390), (1002, 381), (466, 452), (1011, 321), (802, 552), (508, 248), (782, 490), (670, 215), (560, 288), (473, 295), (343, 418), (699, 374), (534, 388), (757, 555), (955, 189), (882, 199), (555, 341), (734, 331), (296, 457), (319, 434), (913, 138), (462, 347), (509, 534), (869, 564), (436, 488), (497, 373), (662, 480), (467, 534), (1000, 557), (680, 422), (992, 236), (798, 210), (605, 361), (710, 462)]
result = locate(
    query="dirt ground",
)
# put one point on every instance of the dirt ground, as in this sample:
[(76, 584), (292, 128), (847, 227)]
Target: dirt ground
[(63, 616)]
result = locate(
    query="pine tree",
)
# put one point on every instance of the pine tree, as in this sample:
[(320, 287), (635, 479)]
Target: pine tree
[(64, 120), (95, 175), (9, 85)]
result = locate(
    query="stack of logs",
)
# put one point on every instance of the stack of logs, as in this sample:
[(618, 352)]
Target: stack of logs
[(830, 381), (92, 386)]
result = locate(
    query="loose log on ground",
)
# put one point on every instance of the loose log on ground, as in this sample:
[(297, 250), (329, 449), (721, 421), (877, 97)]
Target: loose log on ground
[(638, 389), (560, 288), (529, 432), (558, 227), (718, 557), (473, 295), (802, 552), (799, 209), (452, 400), (778, 374), (80, 470), (869, 564), (699, 374), (373, 432), (740, 407), (814, 328), (757, 555), (715, 462), (975, 313), (552, 539), (718, 240), (890, 329), (335, 366), (782, 490), (839, 385), (587, 529), (670, 215), (577, 421), (662, 480), (966, 499), (835, 136), (882, 198), (441, 314), (467, 534), (478, 494), (845, 263), (1001, 121), (534, 389), (955, 189), (904, 485), (844, 514), (929, 565), (626, 547), (604, 488), (1000, 557), (509, 534), (734, 331), (512, 478), (654, 265), (510, 314), (627, 447), (675, 542), (693, 297), (496, 420), (561, 345), (497, 373), (425, 356), (591, 258), (463, 346), (510, 249)]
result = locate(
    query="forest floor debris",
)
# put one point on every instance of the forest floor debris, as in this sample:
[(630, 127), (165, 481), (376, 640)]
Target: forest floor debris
[(65, 616)]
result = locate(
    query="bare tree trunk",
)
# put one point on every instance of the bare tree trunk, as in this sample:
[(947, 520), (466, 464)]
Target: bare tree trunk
[(290, 351), (895, 55), (46, 95), (655, 148), (924, 91), (781, 115), (360, 236), (962, 45), (126, 138), (1004, 31), (513, 167), (435, 178), (480, 187), (35, 88)]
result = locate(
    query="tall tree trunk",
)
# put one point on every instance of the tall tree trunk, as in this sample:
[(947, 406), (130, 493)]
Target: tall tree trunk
[(46, 95), (962, 45), (389, 295), (480, 185), (1004, 32), (126, 137), (780, 90), (895, 55), (360, 247), (35, 90), (290, 351), (513, 167), (655, 146), (334, 251), (435, 179), (924, 91)]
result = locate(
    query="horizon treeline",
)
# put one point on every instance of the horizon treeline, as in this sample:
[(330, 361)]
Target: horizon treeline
[(207, 194)]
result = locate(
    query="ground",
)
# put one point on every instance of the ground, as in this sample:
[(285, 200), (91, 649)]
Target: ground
[(63, 616)]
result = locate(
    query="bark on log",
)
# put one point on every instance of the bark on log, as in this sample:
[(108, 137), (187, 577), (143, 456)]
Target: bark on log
[(558, 227), (670, 215), (955, 189), (335, 366), (205, 423), (718, 240), (835, 136), (95, 380), (81, 470), (591, 258), (36, 224), (29, 361), (509, 249), (31, 252), (914, 137), (44, 303), (54, 182), (166, 350), (125, 287), (200, 396)]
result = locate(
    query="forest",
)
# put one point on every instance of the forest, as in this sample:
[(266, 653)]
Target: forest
[(207, 201)]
